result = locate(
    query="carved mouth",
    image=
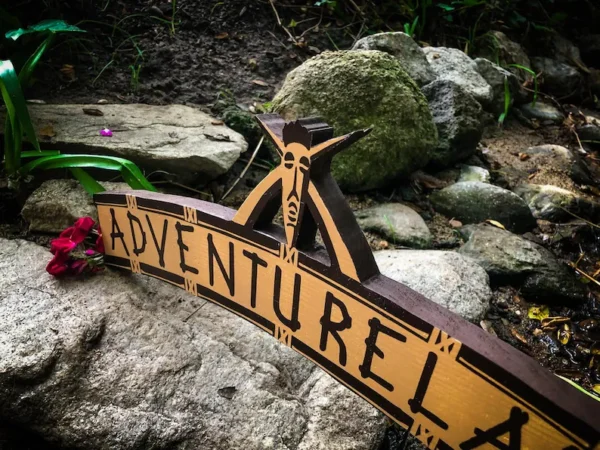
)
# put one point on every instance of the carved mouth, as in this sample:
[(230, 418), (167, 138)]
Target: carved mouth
[(292, 212)]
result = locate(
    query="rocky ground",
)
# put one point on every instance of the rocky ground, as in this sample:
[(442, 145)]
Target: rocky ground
[(497, 223)]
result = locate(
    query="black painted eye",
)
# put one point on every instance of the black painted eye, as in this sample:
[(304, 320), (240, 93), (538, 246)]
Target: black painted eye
[(304, 161), (289, 160)]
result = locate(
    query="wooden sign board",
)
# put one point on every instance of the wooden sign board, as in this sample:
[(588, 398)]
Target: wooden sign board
[(450, 383)]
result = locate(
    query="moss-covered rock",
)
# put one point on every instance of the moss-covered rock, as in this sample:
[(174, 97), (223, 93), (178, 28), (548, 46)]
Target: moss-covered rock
[(243, 122), (351, 90)]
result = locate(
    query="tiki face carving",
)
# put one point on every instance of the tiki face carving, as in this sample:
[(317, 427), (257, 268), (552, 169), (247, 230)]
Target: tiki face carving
[(296, 164)]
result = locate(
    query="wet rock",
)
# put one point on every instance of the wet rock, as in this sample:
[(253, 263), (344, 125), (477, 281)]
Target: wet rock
[(474, 202), (556, 155), (402, 47), (358, 89), (57, 204), (115, 361), (554, 204), (542, 111), (589, 132), (448, 278), (474, 173), (457, 116), (453, 65), (510, 259), (175, 138), (559, 79), (397, 223), (495, 76)]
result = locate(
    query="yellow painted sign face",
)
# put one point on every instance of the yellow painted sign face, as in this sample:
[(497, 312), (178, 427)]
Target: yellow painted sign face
[(448, 382)]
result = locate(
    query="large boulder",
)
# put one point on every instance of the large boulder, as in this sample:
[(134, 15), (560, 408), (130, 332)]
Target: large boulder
[(402, 47), (175, 138), (453, 65), (57, 204), (396, 222), (448, 278), (121, 361), (559, 79), (474, 202), (457, 116), (359, 89), (510, 259), (556, 204)]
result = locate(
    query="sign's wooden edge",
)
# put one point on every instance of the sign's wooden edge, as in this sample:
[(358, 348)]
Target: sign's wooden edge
[(507, 366)]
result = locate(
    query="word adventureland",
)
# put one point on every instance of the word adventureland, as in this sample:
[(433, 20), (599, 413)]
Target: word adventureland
[(450, 383)]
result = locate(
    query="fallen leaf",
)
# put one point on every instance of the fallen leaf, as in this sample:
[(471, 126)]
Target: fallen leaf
[(538, 312), (523, 156), (518, 336), (495, 223), (455, 223), (223, 35), (102, 101), (68, 71), (216, 122), (260, 82), (93, 112), (47, 132)]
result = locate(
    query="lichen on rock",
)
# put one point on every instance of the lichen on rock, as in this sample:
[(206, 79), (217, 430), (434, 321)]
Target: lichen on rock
[(351, 90)]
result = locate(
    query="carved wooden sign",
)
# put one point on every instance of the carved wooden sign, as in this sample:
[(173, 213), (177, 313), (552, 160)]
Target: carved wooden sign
[(449, 382)]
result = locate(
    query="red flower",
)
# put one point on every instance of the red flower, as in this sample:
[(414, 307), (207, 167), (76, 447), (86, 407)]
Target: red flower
[(79, 231), (58, 265), (64, 261), (99, 242)]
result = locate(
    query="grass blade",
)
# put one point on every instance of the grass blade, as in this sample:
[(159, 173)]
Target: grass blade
[(535, 80)]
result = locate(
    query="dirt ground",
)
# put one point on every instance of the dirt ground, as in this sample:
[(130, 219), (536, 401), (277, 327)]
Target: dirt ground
[(234, 48)]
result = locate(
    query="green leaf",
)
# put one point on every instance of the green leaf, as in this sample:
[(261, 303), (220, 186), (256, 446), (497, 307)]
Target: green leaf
[(445, 7), (27, 69), (18, 119), (37, 154), (54, 26), (292, 23), (87, 181), (128, 170)]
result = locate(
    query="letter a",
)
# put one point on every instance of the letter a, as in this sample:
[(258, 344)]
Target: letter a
[(512, 426)]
